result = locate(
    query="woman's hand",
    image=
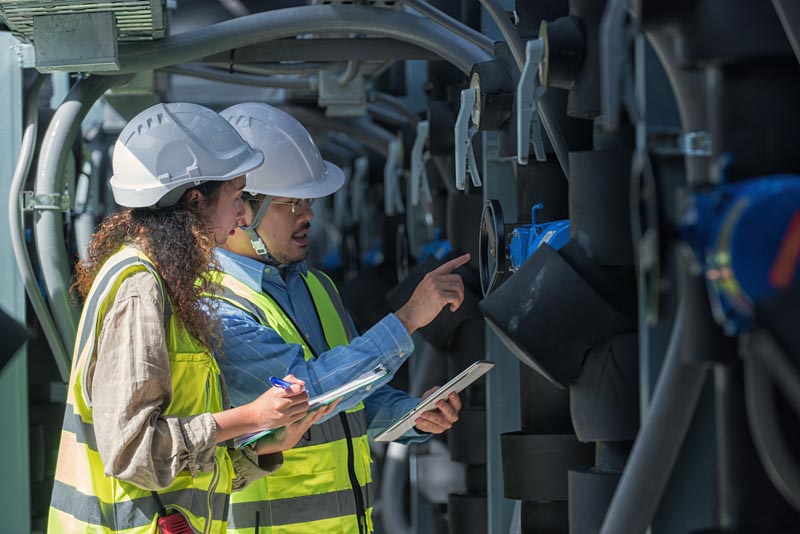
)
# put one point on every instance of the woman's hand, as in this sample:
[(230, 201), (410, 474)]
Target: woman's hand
[(278, 407), (287, 437)]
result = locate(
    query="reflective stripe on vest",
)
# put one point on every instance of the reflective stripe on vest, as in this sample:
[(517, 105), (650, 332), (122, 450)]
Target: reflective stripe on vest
[(312, 493), (84, 499)]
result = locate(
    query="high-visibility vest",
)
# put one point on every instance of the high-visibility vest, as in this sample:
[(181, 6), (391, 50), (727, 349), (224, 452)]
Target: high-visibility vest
[(85, 500), (325, 484)]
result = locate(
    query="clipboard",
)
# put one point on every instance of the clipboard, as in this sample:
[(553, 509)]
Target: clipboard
[(364, 380), (457, 384)]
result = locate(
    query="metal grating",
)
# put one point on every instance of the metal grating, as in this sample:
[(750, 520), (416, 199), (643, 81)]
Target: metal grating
[(136, 19)]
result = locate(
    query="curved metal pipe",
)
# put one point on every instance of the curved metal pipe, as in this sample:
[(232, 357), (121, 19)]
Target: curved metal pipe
[(507, 29), (659, 441), (368, 133), (48, 223), (396, 104), (17, 231), (250, 80), (395, 466), (350, 72), (789, 14), (689, 86), (293, 21), (387, 115), (452, 24), (268, 69), (777, 458), (546, 112)]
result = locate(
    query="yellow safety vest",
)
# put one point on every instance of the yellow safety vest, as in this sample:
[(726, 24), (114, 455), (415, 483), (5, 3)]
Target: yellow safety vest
[(325, 484), (87, 501)]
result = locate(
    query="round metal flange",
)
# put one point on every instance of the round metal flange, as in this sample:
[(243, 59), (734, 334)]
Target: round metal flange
[(491, 246)]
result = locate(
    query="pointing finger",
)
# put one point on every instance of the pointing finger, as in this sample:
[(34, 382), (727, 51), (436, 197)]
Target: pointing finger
[(452, 265)]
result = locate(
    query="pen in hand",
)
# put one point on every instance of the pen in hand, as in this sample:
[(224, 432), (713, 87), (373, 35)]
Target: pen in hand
[(283, 384)]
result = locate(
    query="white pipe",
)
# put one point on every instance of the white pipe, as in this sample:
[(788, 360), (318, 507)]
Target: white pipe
[(294, 21), (17, 230)]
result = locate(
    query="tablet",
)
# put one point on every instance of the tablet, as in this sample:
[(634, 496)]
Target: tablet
[(467, 377)]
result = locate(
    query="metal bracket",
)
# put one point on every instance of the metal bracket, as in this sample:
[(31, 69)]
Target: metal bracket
[(392, 193), (465, 156), (47, 201), (529, 92), (419, 159), (675, 143)]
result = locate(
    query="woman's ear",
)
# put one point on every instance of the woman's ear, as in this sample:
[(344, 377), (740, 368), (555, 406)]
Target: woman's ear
[(195, 200)]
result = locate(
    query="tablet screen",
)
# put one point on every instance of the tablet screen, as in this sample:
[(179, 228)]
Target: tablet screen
[(464, 379)]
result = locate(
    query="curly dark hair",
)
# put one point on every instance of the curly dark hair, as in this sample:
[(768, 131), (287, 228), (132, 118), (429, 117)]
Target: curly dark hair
[(178, 242)]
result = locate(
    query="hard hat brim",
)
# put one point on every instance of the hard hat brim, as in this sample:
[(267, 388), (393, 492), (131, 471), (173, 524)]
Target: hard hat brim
[(329, 183)]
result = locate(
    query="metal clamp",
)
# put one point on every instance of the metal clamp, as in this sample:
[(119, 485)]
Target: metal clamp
[(419, 159), (46, 201), (529, 92), (392, 193), (674, 143), (465, 156)]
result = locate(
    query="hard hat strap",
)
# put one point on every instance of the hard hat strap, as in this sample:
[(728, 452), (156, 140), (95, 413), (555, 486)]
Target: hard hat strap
[(256, 242)]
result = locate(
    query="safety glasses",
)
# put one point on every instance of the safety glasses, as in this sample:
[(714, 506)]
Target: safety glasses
[(298, 204)]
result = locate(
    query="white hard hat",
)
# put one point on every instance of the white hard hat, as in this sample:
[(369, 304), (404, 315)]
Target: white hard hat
[(293, 166), (169, 148)]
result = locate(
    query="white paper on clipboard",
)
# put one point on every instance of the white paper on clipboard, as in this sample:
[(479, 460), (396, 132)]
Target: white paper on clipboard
[(363, 381), (457, 384)]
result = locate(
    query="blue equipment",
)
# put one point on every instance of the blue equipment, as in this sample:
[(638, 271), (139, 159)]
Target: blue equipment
[(526, 239), (746, 238)]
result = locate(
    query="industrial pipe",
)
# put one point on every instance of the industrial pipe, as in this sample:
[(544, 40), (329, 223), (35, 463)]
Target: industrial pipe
[(18, 231), (762, 412), (789, 15), (659, 440), (396, 104), (250, 80), (368, 133), (452, 24), (293, 21), (48, 218)]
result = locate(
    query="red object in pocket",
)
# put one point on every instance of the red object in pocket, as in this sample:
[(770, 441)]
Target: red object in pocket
[(174, 524)]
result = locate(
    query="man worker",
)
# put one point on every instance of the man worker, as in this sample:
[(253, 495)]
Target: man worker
[(280, 317)]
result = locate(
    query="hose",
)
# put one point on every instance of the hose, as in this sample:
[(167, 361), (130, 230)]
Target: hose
[(17, 230)]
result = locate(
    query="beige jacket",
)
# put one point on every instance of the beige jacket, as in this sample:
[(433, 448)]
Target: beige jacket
[(130, 386)]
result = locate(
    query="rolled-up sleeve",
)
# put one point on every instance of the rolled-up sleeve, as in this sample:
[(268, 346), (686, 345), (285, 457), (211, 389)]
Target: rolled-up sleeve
[(130, 387)]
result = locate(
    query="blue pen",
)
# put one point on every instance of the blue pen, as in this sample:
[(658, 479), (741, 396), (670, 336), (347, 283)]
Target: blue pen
[(278, 383)]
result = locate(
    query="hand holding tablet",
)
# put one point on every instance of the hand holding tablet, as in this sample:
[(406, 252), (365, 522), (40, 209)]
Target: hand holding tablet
[(457, 384)]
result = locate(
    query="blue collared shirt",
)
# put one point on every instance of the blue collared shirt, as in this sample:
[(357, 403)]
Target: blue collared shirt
[(251, 353)]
